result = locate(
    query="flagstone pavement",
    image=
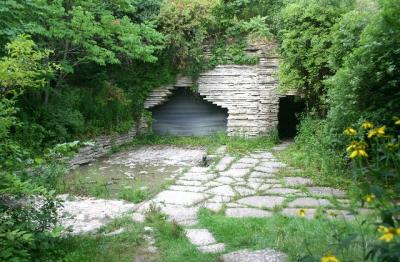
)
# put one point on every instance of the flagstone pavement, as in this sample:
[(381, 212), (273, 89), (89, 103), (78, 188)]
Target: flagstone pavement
[(249, 186)]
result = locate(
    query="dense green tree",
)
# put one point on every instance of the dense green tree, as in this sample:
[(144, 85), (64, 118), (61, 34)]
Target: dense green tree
[(305, 40), (368, 84), (24, 228), (81, 31)]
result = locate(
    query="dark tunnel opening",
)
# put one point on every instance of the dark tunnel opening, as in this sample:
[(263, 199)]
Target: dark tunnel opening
[(290, 108), (188, 114)]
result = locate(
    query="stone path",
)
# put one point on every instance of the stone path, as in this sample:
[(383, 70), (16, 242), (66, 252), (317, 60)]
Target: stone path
[(265, 255), (86, 214), (244, 187)]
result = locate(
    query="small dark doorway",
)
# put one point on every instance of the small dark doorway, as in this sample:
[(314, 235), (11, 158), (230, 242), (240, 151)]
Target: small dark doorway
[(188, 114), (289, 109)]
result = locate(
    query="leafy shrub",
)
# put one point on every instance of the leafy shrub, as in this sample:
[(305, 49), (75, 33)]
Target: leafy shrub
[(367, 85), (315, 148), (183, 23), (26, 220), (231, 54)]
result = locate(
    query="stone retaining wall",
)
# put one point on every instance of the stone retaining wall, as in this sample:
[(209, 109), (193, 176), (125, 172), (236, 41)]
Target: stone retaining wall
[(102, 146), (248, 92)]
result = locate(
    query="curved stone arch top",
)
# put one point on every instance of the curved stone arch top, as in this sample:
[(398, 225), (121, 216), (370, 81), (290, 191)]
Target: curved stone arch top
[(247, 92)]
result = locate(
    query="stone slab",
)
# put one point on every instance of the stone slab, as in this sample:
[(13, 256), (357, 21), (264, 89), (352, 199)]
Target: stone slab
[(198, 169), (188, 188), (180, 198), (253, 185), (264, 187), (234, 205), (242, 165), (246, 212), (224, 163), (256, 180), (215, 248), (298, 181), (309, 202), (215, 207), (235, 172), (222, 191), (180, 214), (200, 237), (263, 155), (219, 199), (262, 201), (244, 191), (272, 181), (273, 164), (197, 176), (212, 184), (326, 191), (258, 174), (188, 183), (248, 160), (265, 255), (225, 180), (282, 191), (266, 169)]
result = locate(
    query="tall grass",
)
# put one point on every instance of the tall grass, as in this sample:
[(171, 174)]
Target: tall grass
[(234, 145)]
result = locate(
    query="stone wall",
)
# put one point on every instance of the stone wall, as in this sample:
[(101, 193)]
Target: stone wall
[(248, 92), (102, 146)]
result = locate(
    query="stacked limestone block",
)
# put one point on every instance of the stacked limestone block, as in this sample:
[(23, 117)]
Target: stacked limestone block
[(247, 92)]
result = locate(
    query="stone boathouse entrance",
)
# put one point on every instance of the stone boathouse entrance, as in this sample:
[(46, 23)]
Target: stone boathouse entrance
[(241, 99)]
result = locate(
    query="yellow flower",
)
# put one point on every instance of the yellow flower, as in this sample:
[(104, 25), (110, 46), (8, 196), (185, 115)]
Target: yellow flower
[(380, 131), (369, 198), (387, 237), (333, 214), (302, 212), (388, 233), (397, 123), (367, 125), (358, 153), (329, 258), (350, 131), (352, 146)]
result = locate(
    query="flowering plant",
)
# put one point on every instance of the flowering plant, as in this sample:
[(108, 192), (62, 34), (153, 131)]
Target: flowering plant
[(374, 151)]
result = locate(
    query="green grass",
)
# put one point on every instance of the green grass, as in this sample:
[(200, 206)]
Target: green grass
[(296, 237), (101, 248), (135, 195), (298, 157), (171, 241), (235, 145), (175, 247), (336, 176)]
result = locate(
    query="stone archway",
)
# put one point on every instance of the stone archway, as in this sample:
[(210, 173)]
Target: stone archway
[(187, 114)]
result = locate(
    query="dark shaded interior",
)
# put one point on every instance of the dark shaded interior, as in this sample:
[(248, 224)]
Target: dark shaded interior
[(188, 114), (289, 109)]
